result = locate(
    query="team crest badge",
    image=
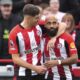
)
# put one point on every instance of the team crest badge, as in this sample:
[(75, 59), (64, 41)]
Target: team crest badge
[(12, 45), (59, 45)]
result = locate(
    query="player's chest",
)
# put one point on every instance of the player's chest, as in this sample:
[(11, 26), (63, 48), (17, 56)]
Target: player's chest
[(58, 45), (30, 37)]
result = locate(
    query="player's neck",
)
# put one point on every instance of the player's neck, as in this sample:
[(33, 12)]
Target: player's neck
[(25, 24)]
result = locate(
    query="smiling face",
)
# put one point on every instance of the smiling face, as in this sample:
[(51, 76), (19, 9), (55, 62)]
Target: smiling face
[(33, 20)]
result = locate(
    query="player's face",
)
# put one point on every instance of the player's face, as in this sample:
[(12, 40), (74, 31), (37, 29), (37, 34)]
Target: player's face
[(51, 23), (34, 20), (52, 26)]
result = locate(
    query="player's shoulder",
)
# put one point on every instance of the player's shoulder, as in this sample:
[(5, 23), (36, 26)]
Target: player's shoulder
[(67, 37), (14, 30), (67, 34)]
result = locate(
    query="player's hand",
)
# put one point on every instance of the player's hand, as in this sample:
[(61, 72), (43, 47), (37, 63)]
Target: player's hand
[(51, 63), (40, 69), (51, 43), (62, 28)]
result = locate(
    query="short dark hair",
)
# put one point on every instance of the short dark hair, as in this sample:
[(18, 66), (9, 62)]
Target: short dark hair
[(30, 9)]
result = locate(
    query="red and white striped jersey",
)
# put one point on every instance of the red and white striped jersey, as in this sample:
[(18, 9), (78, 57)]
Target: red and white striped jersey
[(27, 43), (63, 48)]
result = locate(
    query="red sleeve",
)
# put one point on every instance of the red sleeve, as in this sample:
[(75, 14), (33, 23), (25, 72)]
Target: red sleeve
[(72, 47), (12, 43)]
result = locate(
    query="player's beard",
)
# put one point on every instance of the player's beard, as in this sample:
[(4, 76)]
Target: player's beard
[(52, 31)]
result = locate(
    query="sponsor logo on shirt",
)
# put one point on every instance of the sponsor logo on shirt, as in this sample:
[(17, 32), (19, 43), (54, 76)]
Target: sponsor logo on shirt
[(72, 45), (32, 50), (57, 58)]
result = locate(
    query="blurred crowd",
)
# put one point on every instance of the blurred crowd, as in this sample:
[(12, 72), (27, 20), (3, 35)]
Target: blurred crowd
[(11, 14)]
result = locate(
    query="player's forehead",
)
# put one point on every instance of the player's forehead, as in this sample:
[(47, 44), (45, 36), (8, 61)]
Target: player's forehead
[(51, 19)]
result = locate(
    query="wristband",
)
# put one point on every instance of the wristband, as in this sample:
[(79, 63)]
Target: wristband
[(59, 61)]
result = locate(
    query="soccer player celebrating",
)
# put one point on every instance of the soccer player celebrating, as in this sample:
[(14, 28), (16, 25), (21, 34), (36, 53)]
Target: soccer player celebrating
[(60, 57)]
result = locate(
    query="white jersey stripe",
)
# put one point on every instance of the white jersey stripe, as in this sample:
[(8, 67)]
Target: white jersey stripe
[(33, 45), (54, 69), (22, 52), (64, 55)]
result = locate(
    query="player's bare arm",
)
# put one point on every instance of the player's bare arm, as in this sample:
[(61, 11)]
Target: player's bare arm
[(71, 60), (17, 60), (68, 61)]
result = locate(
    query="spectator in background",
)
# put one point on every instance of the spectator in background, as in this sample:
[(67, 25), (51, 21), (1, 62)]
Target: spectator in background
[(45, 13), (43, 6), (54, 8), (69, 20), (7, 22), (19, 4), (70, 6)]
